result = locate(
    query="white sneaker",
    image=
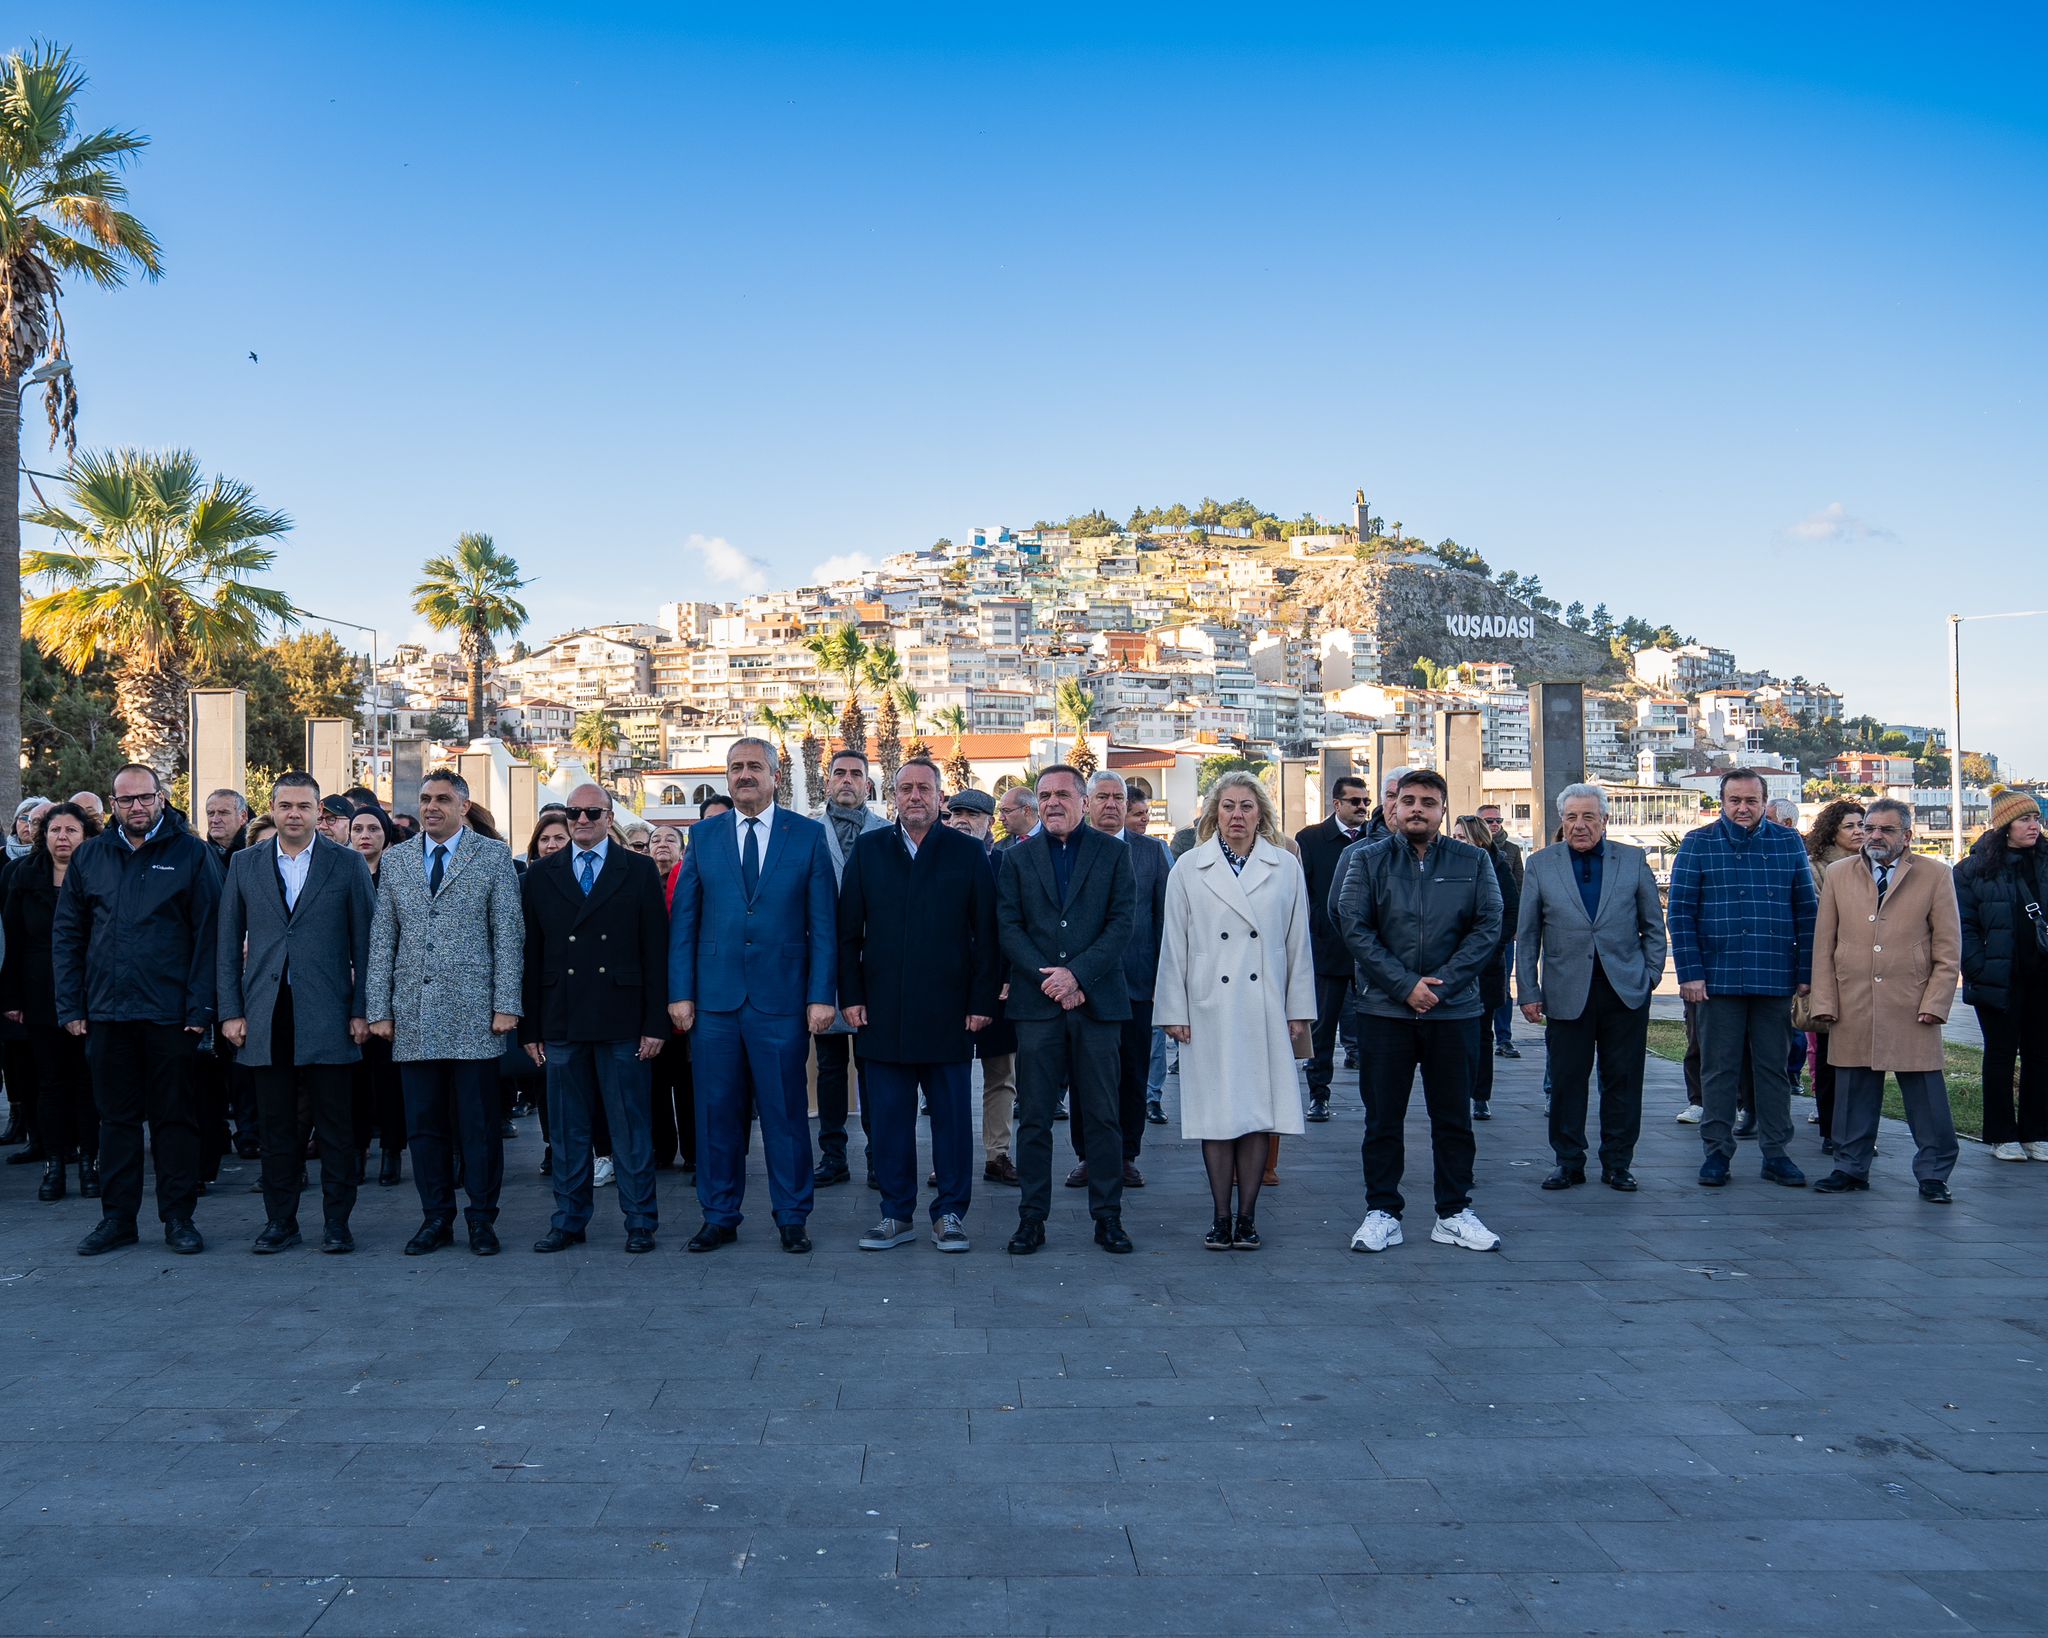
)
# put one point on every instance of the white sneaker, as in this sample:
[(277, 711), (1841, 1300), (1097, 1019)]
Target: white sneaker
[(2036, 1151), (601, 1172), (1379, 1231), (2009, 1151), (1464, 1230), (1691, 1114), (890, 1231)]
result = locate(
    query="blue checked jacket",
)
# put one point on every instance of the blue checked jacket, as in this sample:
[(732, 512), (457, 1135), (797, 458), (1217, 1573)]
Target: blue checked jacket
[(1741, 910)]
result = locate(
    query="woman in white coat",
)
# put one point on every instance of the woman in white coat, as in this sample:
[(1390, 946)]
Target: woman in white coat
[(1237, 989)]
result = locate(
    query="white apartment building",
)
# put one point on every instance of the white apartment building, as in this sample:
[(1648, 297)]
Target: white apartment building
[(1728, 719), (1685, 670), (535, 721), (1609, 723), (1811, 703), (583, 668), (1282, 656), (1349, 657)]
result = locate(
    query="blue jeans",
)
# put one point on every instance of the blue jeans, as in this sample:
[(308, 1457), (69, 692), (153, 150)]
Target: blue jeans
[(1504, 1023), (1155, 1071), (579, 1074), (890, 1091), (767, 1051)]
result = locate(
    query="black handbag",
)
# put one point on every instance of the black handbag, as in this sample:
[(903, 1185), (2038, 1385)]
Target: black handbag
[(2040, 928)]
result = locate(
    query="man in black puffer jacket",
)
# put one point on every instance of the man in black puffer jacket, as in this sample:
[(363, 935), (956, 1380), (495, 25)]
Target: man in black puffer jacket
[(133, 956)]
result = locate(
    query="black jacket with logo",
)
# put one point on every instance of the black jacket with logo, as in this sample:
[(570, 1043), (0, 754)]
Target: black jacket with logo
[(132, 940)]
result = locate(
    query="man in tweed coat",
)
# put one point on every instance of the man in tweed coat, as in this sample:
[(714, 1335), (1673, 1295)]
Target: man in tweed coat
[(1741, 917), (446, 947)]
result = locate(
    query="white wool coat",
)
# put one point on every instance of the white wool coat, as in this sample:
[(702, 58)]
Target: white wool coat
[(1235, 966)]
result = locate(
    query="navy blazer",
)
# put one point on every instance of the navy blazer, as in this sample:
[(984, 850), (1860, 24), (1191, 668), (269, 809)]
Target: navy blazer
[(777, 951), (594, 962)]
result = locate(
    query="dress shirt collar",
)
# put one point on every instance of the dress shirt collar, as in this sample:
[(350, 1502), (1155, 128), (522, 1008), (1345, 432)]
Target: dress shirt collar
[(764, 827), (596, 857)]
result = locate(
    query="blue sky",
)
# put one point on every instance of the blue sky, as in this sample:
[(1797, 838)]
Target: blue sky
[(1730, 318)]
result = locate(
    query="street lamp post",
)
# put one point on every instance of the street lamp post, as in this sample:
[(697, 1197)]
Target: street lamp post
[(1955, 719), (376, 714)]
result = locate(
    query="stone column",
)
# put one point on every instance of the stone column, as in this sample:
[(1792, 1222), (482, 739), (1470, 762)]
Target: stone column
[(1557, 745)]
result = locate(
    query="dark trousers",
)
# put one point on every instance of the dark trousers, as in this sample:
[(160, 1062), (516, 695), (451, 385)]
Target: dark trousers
[(1053, 1055), (451, 1101), (23, 1094), (1133, 1064), (1738, 1033), (143, 1072), (1390, 1050), (1861, 1094), (66, 1122), (1482, 1062), (1616, 1038), (582, 1077), (736, 1053), (1745, 1091), (835, 1074), (2016, 1035), (1823, 1084), (213, 1105), (1333, 1006), (675, 1104), (285, 1094), (892, 1092), (378, 1098)]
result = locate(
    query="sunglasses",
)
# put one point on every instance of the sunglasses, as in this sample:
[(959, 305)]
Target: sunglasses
[(588, 813)]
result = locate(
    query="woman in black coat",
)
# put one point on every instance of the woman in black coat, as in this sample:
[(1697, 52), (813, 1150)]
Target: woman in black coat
[(1493, 982), (2005, 974), (377, 1095), (66, 1117)]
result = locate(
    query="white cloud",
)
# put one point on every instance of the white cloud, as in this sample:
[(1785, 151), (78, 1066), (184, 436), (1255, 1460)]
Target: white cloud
[(846, 566), (724, 564), (1834, 524)]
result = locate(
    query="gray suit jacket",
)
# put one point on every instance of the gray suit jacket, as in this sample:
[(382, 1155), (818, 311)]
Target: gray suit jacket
[(1555, 943), (441, 964), (1086, 934), (869, 820), (326, 940)]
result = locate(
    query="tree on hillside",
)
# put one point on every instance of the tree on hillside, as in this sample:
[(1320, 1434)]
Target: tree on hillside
[(470, 591), (154, 575), (882, 671), (62, 214), (959, 770)]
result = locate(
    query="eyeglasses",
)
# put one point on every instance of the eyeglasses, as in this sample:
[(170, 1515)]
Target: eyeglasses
[(588, 813), (135, 801)]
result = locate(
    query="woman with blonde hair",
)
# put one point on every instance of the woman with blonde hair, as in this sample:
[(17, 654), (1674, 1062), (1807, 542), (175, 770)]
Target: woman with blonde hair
[(1237, 990)]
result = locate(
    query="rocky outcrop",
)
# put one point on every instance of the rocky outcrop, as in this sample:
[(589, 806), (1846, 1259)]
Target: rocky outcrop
[(1417, 608)]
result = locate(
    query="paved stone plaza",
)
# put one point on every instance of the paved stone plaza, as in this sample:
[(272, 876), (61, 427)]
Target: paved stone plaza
[(1751, 1411)]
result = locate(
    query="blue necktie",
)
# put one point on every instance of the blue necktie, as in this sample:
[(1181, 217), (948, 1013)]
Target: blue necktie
[(587, 872), (750, 858), (434, 875)]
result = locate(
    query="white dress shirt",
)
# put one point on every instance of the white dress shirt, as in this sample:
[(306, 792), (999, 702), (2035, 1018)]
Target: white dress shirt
[(293, 870), (596, 860)]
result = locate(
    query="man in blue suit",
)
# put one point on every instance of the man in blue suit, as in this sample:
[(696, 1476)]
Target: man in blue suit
[(753, 968)]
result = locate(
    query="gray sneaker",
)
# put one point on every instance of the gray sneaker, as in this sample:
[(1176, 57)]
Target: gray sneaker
[(948, 1235), (890, 1231)]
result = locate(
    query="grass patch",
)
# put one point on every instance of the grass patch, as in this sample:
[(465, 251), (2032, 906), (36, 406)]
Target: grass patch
[(1965, 1069)]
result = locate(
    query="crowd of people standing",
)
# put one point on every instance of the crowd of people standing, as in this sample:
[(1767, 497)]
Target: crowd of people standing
[(302, 982)]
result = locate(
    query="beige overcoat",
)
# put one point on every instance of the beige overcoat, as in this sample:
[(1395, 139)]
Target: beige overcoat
[(1875, 971)]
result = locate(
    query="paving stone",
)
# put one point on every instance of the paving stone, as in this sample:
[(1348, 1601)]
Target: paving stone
[(1732, 1600), (164, 1606), (854, 1607), (661, 1607)]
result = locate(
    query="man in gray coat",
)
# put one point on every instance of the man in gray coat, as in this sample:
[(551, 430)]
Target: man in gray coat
[(1589, 949), (446, 973), (292, 971), (847, 818)]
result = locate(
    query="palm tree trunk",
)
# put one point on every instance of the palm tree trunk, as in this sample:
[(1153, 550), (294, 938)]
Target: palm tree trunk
[(10, 596), (476, 699), (152, 704)]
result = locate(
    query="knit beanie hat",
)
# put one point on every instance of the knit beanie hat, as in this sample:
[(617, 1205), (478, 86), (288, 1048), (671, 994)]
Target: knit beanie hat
[(2007, 806)]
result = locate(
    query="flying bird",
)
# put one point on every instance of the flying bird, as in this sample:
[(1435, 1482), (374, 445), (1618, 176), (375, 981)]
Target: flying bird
[(253, 359)]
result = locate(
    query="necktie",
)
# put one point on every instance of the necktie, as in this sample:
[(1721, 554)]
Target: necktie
[(1884, 882), (440, 860), (750, 858), (586, 866)]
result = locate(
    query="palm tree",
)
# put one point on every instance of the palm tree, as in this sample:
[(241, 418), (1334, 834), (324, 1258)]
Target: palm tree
[(959, 771), (596, 734), (470, 591), (910, 707), (882, 671), (1074, 705), (778, 724), (154, 575), (60, 213), (842, 654), (812, 712)]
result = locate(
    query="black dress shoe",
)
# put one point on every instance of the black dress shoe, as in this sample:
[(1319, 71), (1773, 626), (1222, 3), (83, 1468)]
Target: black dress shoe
[(1155, 1112), (110, 1234), (483, 1240), (1318, 1108), (89, 1179), (639, 1240), (337, 1241), (33, 1155), (710, 1237), (14, 1134), (276, 1237), (52, 1185), (547, 1160), (1078, 1177), (1029, 1237), (1133, 1178), (559, 1240), (1002, 1169), (1564, 1177), (794, 1239), (388, 1168), (1243, 1235), (248, 1146), (433, 1234), (507, 1130), (1481, 1109), (183, 1238), (1840, 1183), (1619, 1178), (1935, 1193), (829, 1171), (1746, 1126), (1109, 1234)]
